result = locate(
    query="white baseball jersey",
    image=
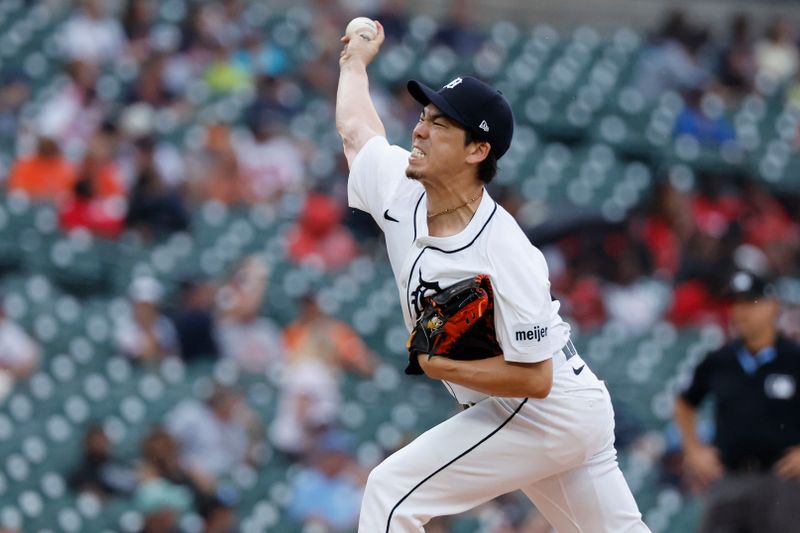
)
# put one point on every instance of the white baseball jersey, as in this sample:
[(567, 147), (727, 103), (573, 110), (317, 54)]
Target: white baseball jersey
[(528, 326), (558, 450)]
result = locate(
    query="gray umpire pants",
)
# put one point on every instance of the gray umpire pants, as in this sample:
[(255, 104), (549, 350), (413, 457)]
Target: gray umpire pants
[(752, 503)]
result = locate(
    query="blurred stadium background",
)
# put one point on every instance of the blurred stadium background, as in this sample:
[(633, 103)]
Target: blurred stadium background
[(198, 335)]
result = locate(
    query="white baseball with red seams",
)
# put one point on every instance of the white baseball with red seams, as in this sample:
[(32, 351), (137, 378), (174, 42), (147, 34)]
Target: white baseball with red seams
[(363, 26), (558, 450)]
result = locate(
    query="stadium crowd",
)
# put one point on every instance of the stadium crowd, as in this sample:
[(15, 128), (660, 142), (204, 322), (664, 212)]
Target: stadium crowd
[(99, 155)]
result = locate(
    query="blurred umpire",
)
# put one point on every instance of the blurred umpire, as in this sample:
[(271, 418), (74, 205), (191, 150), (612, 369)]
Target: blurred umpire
[(752, 471)]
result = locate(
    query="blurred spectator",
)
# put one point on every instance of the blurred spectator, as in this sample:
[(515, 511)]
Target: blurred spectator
[(707, 254), (793, 102), (218, 516), (161, 460), (253, 341), (327, 494), (776, 54), (99, 472), (153, 208), (161, 503), (96, 202), (138, 149), (309, 403), (227, 22), (150, 87), (15, 90), (216, 436), (319, 235), (401, 112), (214, 173), (19, 353), (168, 489), (274, 101), (196, 35), (700, 280), (703, 118), (271, 162), (223, 74), (674, 61), (194, 319), (633, 299), (393, 16), (100, 169), (145, 334), (667, 227), (320, 73), (259, 58), (459, 30), (752, 471), (585, 302), (767, 224), (45, 176), (317, 335), (737, 64), (319, 347), (93, 35), (136, 23), (73, 115), (85, 209)]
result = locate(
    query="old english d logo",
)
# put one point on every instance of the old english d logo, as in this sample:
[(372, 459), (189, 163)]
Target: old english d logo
[(453, 84), (419, 293)]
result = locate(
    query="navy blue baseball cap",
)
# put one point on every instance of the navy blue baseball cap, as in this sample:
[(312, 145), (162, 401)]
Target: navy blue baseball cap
[(746, 286), (478, 107)]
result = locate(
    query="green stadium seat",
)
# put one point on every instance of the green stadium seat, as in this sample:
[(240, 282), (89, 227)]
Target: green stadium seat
[(130, 521), (11, 517)]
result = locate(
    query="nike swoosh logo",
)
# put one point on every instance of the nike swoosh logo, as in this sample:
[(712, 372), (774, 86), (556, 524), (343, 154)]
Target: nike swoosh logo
[(578, 370), (387, 216)]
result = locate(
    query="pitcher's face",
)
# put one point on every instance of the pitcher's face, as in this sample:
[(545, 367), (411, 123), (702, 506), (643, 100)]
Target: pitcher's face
[(438, 149)]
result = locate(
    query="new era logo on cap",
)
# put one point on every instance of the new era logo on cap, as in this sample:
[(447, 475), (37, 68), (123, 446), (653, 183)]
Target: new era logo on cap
[(484, 126)]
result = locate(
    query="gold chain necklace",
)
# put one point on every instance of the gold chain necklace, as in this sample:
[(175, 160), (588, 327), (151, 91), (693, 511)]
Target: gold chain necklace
[(451, 209)]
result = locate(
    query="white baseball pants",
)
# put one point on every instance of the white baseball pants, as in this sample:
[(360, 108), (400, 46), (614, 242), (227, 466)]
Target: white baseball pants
[(559, 451)]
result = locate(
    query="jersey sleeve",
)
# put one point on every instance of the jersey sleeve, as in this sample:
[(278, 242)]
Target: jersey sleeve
[(527, 324), (377, 171), (700, 384)]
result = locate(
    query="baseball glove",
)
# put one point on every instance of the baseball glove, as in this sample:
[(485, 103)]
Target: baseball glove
[(458, 323)]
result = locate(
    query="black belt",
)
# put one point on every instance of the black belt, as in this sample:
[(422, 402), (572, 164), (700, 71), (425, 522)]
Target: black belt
[(750, 465)]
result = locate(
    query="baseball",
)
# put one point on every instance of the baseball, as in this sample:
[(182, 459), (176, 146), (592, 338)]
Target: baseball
[(362, 26)]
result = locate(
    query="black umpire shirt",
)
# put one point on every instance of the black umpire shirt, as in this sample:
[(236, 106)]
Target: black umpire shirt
[(757, 405)]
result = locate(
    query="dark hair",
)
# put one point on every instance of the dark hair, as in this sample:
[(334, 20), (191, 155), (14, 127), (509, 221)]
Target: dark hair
[(487, 169), (84, 188)]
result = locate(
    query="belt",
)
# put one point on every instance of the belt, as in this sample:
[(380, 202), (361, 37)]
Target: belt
[(750, 465), (559, 358)]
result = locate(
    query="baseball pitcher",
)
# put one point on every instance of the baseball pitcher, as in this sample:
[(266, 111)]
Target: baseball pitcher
[(476, 300)]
